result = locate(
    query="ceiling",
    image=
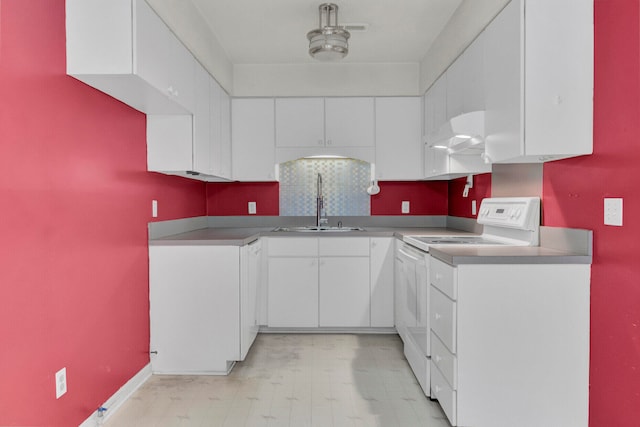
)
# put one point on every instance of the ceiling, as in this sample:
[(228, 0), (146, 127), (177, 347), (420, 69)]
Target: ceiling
[(274, 31)]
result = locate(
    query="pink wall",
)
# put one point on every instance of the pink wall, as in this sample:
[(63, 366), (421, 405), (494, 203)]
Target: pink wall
[(74, 205), (461, 206), (573, 196)]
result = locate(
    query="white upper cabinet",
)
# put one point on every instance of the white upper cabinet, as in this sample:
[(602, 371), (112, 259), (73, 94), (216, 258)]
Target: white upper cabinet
[(398, 129), (193, 146), (253, 139), (300, 122), (539, 81), (324, 126), (349, 122), (124, 49)]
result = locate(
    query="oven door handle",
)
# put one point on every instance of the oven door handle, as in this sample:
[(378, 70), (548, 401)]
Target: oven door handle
[(410, 256)]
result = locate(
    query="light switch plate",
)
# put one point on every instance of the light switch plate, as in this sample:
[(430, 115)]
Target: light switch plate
[(405, 207), (252, 208), (154, 208), (474, 207), (613, 211)]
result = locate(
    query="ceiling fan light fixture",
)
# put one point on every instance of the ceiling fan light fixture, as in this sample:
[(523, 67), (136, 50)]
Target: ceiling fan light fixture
[(329, 42)]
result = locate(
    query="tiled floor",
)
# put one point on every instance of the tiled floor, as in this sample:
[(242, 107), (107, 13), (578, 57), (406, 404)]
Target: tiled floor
[(292, 380)]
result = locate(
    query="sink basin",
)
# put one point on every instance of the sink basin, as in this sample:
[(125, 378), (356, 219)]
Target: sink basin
[(314, 229)]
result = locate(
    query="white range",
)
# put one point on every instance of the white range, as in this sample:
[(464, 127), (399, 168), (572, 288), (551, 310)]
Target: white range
[(506, 221)]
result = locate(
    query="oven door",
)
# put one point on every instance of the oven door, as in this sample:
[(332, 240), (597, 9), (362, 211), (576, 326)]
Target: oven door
[(413, 300)]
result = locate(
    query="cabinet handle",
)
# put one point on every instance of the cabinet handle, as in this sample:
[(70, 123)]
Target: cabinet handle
[(438, 316), (320, 142), (373, 244), (438, 276), (438, 389), (438, 359), (329, 142)]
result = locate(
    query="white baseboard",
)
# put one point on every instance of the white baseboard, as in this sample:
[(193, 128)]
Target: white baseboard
[(118, 398)]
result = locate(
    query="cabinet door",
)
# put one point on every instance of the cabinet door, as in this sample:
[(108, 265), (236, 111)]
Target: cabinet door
[(293, 292), (503, 76), (344, 292), (181, 69), (223, 165), (381, 264), (300, 122), (398, 145), (202, 143), (152, 48), (253, 148), (194, 308), (249, 290), (349, 122), (169, 143), (456, 76), (436, 162), (439, 95), (473, 96)]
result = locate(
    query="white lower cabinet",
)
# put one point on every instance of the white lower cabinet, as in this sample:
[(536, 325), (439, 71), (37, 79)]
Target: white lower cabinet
[(293, 292), (510, 344), (327, 282), (344, 291), (202, 310), (382, 282)]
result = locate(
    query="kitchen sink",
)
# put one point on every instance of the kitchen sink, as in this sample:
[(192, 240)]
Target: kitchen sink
[(314, 229)]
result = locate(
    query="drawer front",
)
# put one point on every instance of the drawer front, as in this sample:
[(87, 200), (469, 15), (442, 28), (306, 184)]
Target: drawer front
[(419, 364), (443, 277), (443, 319), (344, 246), (444, 360), (446, 396), (293, 246)]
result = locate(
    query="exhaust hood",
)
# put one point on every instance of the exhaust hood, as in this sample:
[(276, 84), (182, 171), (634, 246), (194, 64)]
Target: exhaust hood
[(463, 133)]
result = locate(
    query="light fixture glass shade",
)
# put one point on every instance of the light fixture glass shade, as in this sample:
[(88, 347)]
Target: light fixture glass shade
[(329, 42)]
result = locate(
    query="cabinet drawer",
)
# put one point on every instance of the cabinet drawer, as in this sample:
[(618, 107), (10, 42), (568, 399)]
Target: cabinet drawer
[(344, 246), (296, 246), (443, 277), (442, 391), (444, 360), (443, 318)]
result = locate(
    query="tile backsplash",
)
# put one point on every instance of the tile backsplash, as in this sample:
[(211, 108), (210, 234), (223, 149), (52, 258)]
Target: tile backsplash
[(345, 183)]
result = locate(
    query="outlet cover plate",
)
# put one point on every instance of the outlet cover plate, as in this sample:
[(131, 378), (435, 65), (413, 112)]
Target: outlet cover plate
[(405, 207), (61, 382), (613, 211)]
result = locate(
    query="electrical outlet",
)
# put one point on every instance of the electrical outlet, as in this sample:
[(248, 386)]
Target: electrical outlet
[(474, 207), (405, 207), (252, 208), (613, 211), (61, 382), (154, 208)]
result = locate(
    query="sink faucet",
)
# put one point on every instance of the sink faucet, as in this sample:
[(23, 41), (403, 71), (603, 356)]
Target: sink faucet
[(319, 204)]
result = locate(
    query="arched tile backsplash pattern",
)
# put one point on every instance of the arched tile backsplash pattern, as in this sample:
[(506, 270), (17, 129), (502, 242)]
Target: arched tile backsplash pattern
[(345, 183)]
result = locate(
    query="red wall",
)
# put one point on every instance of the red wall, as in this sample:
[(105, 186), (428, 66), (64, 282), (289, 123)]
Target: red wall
[(226, 199), (426, 198), (461, 206), (74, 205), (573, 196)]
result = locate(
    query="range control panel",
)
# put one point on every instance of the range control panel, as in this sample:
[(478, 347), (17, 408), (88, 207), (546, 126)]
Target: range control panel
[(522, 213)]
